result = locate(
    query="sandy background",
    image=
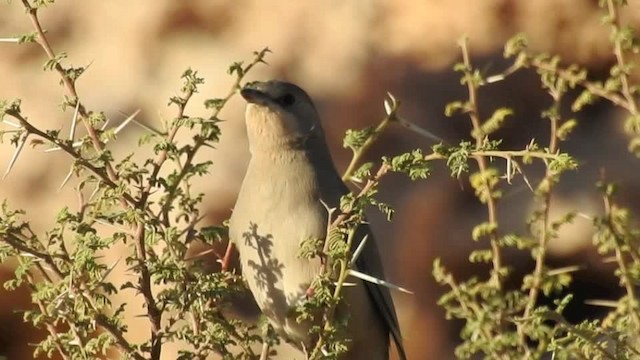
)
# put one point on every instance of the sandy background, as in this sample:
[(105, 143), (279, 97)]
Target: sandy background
[(347, 55)]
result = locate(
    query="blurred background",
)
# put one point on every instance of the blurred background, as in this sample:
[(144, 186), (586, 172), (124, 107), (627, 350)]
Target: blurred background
[(347, 55)]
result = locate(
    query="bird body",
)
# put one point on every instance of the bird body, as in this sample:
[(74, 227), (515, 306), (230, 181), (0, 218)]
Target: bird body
[(267, 221), (289, 183)]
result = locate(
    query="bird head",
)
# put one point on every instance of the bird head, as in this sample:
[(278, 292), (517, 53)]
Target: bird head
[(279, 116)]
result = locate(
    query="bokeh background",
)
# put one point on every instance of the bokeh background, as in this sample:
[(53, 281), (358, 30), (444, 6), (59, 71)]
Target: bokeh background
[(347, 55)]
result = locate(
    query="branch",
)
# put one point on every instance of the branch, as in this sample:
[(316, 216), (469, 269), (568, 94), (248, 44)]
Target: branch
[(482, 163), (68, 83)]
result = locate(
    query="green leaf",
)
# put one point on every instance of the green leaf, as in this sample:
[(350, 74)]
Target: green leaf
[(514, 46), (355, 139), (494, 122), (566, 128), (481, 256), (412, 163), (482, 230)]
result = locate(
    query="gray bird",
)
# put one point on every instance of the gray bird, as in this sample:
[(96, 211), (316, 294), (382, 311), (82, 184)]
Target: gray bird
[(280, 204)]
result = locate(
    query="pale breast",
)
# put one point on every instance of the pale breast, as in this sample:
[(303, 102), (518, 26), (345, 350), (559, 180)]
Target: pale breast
[(277, 208)]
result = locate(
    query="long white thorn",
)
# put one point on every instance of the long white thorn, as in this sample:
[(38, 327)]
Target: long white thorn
[(76, 144), (66, 178), (377, 281), (148, 128), (359, 249), (94, 192), (104, 126), (110, 268), (106, 223), (9, 122), (15, 156), (126, 121), (390, 104), (509, 170), (603, 303), (418, 130), (74, 121)]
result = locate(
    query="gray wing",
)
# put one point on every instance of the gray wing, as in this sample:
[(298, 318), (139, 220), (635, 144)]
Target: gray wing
[(331, 189), (369, 262)]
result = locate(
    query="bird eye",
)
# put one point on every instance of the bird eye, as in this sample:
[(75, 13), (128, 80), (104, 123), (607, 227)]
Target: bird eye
[(286, 100)]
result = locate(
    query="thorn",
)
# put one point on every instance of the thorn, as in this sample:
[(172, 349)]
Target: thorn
[(110, 268), (126, 121), (148, 128), (603, 303), (10, 40), (584, 216), (495, 78), (74, 121), (330, 210), (377, 281), (564, 270), (104, 126), (324, 351), (94, 192), (499, 77), (387, 107), (264, 353), (57, 148), (66, 179), (524, 176), (531, 144), (359, 249), (390, 104), (509, 170), (106, 223), (9, 122), (418, 130), (15, 155)]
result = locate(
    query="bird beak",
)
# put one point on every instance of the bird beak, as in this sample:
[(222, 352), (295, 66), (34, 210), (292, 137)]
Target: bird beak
[(255, 96)]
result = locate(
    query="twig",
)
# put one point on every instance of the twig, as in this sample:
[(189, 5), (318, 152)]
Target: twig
[(154, 313), (541, 251), (68, 83), (49, 326), (100, 172), (391, 107), (627, 280), (200, 141), (621, 58), (344, 267), (472, 310), (580, 333), (482, 164), (22, 141)]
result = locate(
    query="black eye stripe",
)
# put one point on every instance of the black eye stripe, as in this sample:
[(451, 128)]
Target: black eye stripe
[(286, 100)]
